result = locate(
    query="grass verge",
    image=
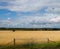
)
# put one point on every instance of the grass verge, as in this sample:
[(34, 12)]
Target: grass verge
[(33, 46)]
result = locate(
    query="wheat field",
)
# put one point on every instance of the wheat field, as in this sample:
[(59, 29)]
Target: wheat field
[(7, 36)]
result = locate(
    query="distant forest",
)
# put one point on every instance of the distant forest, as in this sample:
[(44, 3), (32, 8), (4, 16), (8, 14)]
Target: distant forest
[(32, 29)]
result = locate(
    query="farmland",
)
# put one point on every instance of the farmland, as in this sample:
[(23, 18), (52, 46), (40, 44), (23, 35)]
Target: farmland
[(8, 35)]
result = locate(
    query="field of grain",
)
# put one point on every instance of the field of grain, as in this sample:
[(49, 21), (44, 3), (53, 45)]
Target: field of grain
[(7, 36)]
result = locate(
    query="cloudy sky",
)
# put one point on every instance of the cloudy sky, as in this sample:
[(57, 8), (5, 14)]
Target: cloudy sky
[(30, 13)]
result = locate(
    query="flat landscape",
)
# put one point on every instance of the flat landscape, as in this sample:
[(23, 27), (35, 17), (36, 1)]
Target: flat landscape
[(8, 35)]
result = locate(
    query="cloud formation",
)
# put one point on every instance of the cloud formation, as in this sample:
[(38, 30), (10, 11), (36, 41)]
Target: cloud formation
[(50, 16), (47, 21), (29, 5)]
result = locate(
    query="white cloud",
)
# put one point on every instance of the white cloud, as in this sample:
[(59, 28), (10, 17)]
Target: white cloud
[(36, 21), (53, 9), (56, 19), (53, 6), (27, 5), (5, 22), (47, 20)]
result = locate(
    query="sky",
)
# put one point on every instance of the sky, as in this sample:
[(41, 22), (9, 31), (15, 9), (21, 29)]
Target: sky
[(30, 13)]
